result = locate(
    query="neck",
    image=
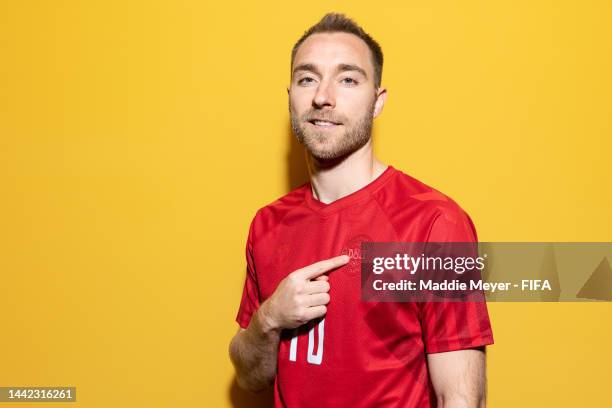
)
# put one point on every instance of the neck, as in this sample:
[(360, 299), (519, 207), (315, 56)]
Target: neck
[(332, 180)]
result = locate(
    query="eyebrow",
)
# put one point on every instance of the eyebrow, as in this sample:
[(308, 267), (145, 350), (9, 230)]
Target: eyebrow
[(352, 67), (341, 68)]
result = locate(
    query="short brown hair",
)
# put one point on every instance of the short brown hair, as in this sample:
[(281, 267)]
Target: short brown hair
[(336, 22)]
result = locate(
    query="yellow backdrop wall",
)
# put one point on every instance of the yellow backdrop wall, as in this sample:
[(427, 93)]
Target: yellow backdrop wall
[(137, 139)]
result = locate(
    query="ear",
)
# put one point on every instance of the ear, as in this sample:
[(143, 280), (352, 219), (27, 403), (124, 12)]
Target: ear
[(381, 97)]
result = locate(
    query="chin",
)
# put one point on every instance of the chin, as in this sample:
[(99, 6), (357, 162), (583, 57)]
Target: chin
[(327, 153)]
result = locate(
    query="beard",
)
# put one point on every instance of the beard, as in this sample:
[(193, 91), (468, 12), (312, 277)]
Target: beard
[(327, 145)]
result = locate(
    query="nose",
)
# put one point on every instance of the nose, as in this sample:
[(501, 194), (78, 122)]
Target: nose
[(324, 96)]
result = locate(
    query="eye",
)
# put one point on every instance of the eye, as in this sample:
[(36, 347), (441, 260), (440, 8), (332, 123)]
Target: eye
[(305, 80), (349, 81)]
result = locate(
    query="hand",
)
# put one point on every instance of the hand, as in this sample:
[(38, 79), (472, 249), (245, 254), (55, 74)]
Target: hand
[(301, 296)]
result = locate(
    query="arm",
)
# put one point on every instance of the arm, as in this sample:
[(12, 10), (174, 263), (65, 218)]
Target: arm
[(459, 378), (254, 351), (299, 298)]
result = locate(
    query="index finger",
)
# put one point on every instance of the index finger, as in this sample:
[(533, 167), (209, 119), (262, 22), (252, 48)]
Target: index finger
[(319, 268)]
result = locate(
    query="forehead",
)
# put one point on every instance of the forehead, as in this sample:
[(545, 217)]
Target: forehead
[(330, 49)]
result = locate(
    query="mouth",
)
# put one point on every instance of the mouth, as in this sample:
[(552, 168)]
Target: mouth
[(323, 124)]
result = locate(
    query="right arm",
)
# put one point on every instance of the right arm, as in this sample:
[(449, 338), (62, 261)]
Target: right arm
[(299, 298), (253, 352)]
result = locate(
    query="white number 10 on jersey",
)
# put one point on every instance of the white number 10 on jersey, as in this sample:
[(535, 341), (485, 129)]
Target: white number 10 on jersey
[(312, 358)]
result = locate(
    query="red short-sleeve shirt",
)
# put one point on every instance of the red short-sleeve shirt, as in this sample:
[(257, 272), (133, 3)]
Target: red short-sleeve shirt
[(361, 354)]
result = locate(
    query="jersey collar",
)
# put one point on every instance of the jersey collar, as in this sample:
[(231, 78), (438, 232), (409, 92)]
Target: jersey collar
[(361, 194)]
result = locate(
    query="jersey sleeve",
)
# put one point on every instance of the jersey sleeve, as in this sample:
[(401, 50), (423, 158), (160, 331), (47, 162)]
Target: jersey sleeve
[(449, 326), (250, 294)]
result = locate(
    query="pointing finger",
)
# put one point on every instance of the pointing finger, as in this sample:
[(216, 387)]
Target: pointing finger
[(319, 268)]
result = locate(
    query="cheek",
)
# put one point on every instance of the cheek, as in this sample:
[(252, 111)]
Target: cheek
[(300, 100), (355, 106)]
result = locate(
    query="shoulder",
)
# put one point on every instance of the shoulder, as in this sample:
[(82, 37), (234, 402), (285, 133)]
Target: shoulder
[(406, 199), (269, 216)]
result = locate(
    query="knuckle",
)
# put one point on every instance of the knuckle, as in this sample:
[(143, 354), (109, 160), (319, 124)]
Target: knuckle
[(301, 315)]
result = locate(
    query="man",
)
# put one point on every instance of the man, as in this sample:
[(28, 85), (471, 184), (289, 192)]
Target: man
[(303, 325)]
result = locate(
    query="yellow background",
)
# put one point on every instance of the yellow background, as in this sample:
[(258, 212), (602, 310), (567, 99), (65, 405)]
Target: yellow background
[(138, 138)]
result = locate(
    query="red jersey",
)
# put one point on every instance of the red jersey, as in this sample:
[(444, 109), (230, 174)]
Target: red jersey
[(361, 354)]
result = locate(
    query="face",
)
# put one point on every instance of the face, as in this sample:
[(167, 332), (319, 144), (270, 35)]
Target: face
[(332, 96)]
